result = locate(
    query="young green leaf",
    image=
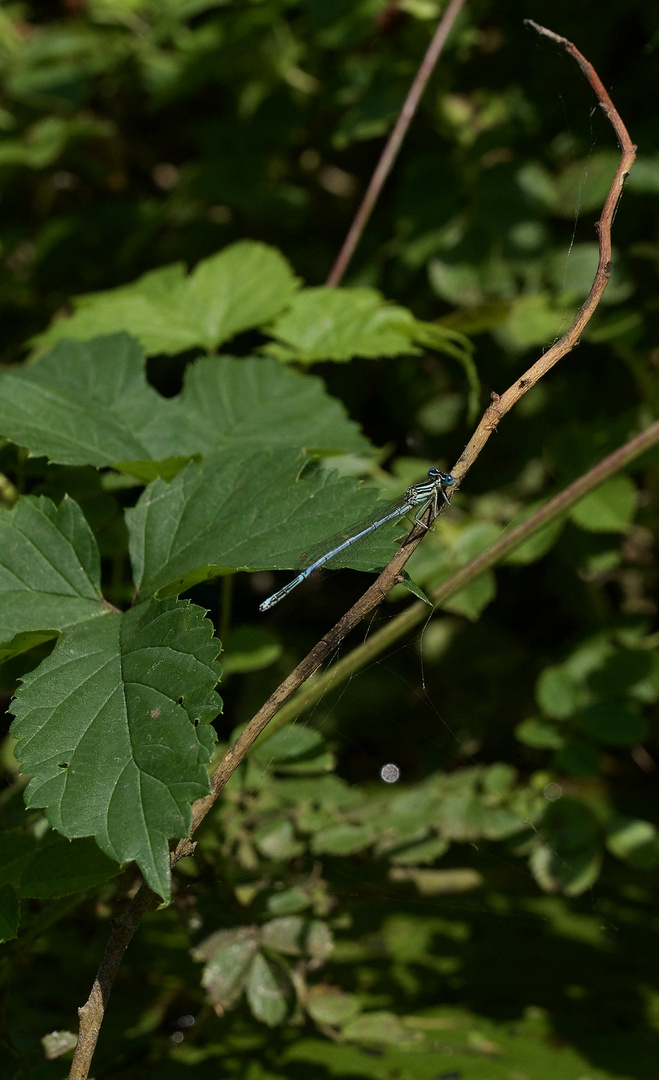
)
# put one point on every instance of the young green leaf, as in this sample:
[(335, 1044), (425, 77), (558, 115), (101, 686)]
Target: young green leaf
[(114, 729), (337, 324), (241, 287)]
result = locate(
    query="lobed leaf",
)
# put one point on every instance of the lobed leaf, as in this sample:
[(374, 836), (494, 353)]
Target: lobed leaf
[(113, 728), (88, 403)]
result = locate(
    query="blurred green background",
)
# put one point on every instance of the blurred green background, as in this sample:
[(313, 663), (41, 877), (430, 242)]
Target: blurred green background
[(140, 132)]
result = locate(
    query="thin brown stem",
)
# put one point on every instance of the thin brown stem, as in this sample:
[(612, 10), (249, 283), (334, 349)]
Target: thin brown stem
[(394, 142)]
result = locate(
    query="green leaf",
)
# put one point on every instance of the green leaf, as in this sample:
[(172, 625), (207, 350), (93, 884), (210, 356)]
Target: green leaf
[(49, 572), (112, 728), (269, 991), (533, 319), (634, 840), (276, 840), (402, 816), (256, 403), (439, 882), (584, 183), (461, 817), (228, 955), (52, 866), (295, 748), (557, 693), (250, 648), (474, 597), (610, 508), (297, 936), (88, 403), (614, 723), (502, 822), (578, 758), (457, 283), (242, 287), (568, 824), (427, 851), (573, 280), (343, 839), (540, 734), (237, 512), (60, 867), (624, 670), (288, 901), (338, 324), (537, 546), (379, 1027), (499, 779), (45, 140), (57, 1043), (571, 873), (330, 1006)]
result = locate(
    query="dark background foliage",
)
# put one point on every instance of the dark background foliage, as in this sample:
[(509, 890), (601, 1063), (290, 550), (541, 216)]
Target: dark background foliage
[(139, 134)]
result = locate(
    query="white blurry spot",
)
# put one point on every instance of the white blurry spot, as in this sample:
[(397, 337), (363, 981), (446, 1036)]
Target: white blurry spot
[(553, 792), (176, 1037), (390, 773), (186, 1021), (165, 175)]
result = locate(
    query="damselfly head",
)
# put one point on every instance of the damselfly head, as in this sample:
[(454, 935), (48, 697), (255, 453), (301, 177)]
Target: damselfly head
[(444, 477)]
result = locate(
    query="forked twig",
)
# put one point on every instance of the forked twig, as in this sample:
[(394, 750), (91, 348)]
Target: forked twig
[(91, 1014)]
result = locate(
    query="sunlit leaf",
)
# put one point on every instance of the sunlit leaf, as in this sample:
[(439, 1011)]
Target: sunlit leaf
[(634, 840), (242, 286), (337, 324), (609, 508)]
